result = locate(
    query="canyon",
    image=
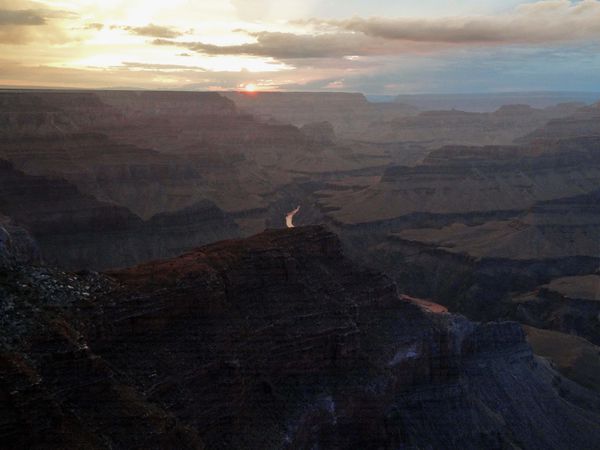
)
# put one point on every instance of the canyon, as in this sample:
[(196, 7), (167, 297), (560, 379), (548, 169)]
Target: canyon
[(295, 270)]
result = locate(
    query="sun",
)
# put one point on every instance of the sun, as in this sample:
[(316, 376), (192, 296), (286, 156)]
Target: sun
[(250, 87)]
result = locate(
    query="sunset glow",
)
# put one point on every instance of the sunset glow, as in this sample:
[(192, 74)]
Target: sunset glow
[(386, 47)]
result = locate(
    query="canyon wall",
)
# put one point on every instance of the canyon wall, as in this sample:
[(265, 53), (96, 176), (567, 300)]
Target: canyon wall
[(276, 341)]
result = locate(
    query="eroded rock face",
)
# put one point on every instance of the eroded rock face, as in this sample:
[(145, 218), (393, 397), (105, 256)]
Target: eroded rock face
[(349, 113), (459, 180), (321, 133), (77, 231), (584, 122), (16, 244), (566, 304), (454, 127), (276, 341), (159, 152), (54, 391)]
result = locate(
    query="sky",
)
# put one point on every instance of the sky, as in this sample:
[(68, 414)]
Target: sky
[(371, 46)]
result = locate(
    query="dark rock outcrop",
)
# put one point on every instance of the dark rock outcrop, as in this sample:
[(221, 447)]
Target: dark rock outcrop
[(277, 341)]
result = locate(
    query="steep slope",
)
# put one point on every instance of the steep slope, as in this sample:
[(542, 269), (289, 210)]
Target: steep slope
[(453, 127), (56, 393), (157, 152), (276, 341), (77, 231), (584, 122), (573, 356), (466, 180), (567, 304), (349, 113)]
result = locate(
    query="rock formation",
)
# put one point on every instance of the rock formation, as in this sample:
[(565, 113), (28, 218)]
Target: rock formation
[(454, 127), (277, 341), (567, 304), (349, 113), (75, 230)]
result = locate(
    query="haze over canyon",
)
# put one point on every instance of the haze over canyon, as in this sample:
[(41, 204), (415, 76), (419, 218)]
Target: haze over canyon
[(299, 225)]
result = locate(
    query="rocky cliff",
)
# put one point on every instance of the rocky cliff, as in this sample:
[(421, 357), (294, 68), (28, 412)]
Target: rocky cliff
[(157, 152), (349, 113), (459, 180), (16, 244), (566, 304), (454, 127), (584, 122), (277, 341), (75, 230)]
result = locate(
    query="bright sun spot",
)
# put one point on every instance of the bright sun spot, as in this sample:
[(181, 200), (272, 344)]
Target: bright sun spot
[(250, 87)]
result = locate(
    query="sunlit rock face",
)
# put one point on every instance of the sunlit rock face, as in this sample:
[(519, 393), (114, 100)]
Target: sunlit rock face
[(276, 341)]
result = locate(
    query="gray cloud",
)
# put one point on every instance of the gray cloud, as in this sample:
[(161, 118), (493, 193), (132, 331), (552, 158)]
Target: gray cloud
[(20, 26), (287, 46), (547, 21), (152, 30), (21, 17), (94, 26), (539, 23)]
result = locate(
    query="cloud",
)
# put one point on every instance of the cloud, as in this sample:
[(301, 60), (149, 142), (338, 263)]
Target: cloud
[(152, 30), (157, 76), (273, 10), (250, 9), (157, 66), (21, 17), (290, 46), (542, 22), (94, 26), (22, 25)]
